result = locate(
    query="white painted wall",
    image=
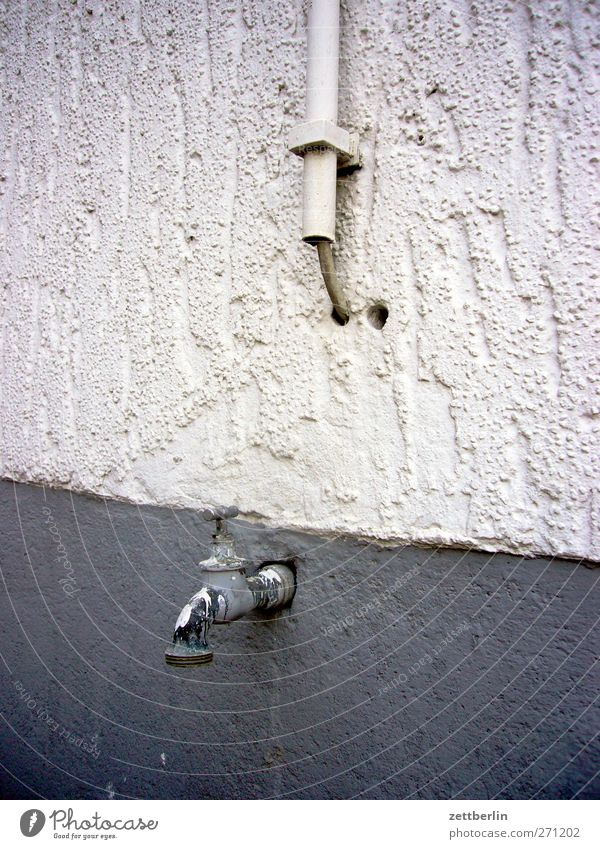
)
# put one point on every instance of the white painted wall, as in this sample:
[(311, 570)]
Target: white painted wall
[(166, 337)]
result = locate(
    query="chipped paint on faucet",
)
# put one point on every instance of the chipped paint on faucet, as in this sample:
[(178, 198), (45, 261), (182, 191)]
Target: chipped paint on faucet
[(267, 587)]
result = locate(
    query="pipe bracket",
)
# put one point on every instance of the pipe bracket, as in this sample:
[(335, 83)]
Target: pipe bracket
[(316, 136)]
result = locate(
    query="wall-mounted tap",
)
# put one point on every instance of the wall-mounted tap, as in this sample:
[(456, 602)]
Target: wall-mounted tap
[(227, 594)]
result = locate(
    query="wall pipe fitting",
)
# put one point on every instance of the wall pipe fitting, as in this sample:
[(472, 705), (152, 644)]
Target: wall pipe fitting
[(332, 284), (320, 164), (227, 594), (323, 145)]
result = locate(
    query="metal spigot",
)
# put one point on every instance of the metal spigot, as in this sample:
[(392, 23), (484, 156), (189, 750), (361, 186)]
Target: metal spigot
[(227, 594)]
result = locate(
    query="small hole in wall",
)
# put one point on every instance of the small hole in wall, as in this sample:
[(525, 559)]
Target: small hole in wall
[(377, 316), (339, 319)]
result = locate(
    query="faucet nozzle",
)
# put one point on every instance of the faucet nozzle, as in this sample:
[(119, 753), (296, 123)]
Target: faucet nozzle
[(228, 593)]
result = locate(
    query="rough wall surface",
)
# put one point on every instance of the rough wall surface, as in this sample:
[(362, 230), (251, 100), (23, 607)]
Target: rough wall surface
[(396, 673), (166, 337)]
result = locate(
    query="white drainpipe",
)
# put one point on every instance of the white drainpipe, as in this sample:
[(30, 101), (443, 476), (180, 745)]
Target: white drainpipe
[(320, 166), (322, 143)]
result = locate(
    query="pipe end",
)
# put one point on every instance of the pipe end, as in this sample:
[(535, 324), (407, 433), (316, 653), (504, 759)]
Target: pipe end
[(274, 585)]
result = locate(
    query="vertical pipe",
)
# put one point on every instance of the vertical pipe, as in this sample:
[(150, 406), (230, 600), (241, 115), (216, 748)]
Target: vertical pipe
[(323, 59), (320, 166)]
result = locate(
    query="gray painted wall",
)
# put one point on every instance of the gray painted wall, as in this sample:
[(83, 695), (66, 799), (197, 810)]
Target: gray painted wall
[(397, 672)]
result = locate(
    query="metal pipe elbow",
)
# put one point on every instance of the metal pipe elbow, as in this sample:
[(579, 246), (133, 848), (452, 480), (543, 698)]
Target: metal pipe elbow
[(227, 595)]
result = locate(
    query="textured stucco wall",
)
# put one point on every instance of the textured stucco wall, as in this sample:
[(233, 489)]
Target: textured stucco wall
[(167, 339)]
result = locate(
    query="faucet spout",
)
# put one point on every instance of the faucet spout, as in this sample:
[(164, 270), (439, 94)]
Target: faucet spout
[(226, 595), (229, 596), (190, 637)]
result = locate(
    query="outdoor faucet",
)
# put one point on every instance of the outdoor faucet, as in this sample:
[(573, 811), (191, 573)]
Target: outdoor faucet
[(227, 594)]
